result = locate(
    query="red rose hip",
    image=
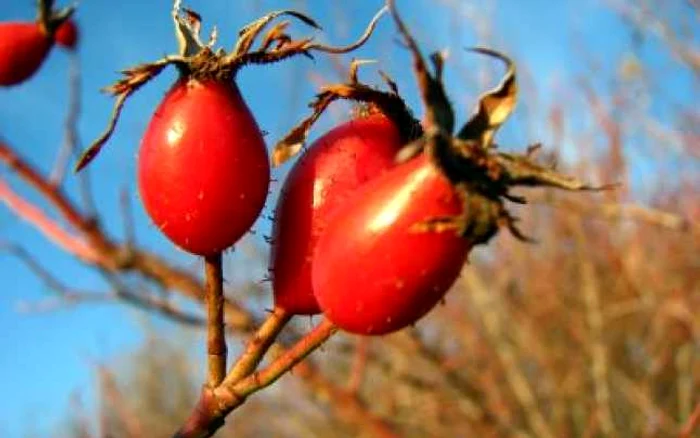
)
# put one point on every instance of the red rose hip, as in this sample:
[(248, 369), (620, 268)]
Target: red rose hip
[(374, 270), (203, 170), (23, 48), (323, 179), (67, 34)]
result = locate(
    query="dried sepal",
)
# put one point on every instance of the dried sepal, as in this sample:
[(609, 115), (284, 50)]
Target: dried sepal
[(355, 67), (187, 27), (481, 176), (389, 82), (494, 106), (286, 47), (44, 9), (293, 142), (248, 34), (50, 19), (133, 79), (520, 170), (438, 110), (357, 44), (389, 103), (276, 36)]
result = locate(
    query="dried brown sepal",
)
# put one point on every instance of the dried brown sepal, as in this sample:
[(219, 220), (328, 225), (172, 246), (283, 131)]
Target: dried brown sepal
[(188, 25), (388, 102), (50, 20), (389, 82), (438, 110), (482, 177), (133, 79), (521, 170), (494, 106), (286, 47), (276, 36), (248, 34)]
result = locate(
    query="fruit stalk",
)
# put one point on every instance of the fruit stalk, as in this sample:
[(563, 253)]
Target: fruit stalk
[(216, 341), (216, 403), (258, 345)]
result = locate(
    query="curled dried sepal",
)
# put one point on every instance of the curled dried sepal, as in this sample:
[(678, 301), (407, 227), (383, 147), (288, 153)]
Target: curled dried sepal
[(50, 20), (285, 46), (521, 170), (494, 106), (438, 110), (248, 34), (133, 79), (482, 177), (188, 24), (388, 102)]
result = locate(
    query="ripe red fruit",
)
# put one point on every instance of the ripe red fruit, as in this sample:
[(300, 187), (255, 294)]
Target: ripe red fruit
[(373, 272), (23, 48), (203, 170), (67, 34), (324, 178)]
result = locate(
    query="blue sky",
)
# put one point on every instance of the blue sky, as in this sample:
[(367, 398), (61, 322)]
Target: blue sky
[(45, 357)]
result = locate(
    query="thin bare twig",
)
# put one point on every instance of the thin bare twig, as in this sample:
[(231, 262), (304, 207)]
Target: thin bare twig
[(127, 217), (359, 364), (594, 317), (70, 139), (116, 403), (507, 355)]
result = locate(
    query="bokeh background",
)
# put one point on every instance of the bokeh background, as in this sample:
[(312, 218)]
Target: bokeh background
[(594, 331)]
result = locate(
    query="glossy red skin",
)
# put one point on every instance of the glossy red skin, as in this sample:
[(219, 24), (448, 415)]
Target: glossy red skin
[(67, 34), (23, 48), (327, 174), (203, 169), (372, 273)]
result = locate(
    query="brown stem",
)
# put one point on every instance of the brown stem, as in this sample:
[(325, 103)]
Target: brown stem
[(229, 394), (216, 341), (215, 404), (258, 345)]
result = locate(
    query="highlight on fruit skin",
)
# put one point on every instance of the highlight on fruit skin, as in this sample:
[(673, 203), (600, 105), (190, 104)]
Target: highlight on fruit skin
[(24, 45)]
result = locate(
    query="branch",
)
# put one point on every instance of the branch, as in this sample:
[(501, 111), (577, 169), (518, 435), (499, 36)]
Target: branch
[(54, 195), (216, 403), (36, 217)]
